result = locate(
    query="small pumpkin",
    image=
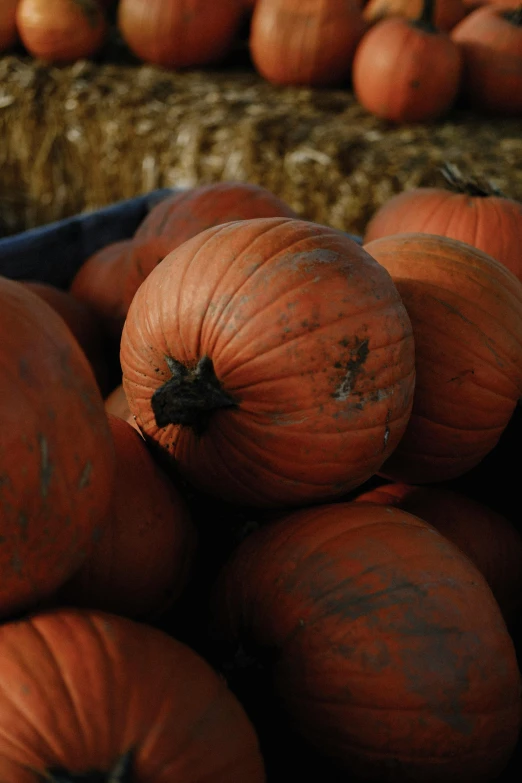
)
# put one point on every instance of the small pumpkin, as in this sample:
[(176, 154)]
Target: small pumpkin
[(490, 39), (394, 76), (310, 42), (8, 30), (445, 16), (140, 564), (469, 210), (466, 313), (271, 360), (179, 33), (117, 405), (486, 537), (108, 699), (84, 325), (56, 451), (61, 31), (385, 645)]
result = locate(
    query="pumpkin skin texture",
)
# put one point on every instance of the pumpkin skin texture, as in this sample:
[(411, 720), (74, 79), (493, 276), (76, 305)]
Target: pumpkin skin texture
[(393, 73), (8, 31), (56, 451), (179, 33), (490, 541), (388, 650), (491, 41), (466, 312), (122, 687), (61, 31), (272, 360), (140, 564), (446, 14), (488, 222), (307, 42)]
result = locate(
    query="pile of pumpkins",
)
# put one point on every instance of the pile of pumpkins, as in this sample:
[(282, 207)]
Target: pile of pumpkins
[(408, 60), (271, 464)]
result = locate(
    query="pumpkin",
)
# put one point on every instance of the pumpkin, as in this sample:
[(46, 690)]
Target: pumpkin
[(310, 42), (384, 643), (272, 360), (472, 211), (445, 16), (394, 76), (140, 564), (56, 452), (99, 283), (89, 696), (61, 31), (466, 313), (85, 326), (8, 31), (117, 405), (179, 33), (487, 538), (491, 42)]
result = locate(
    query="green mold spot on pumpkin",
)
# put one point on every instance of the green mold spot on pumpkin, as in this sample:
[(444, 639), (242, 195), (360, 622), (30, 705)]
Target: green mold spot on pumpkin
[(85, 475), (353, 368), (46, 466)]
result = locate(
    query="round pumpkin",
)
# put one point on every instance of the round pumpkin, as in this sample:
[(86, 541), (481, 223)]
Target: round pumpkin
[(466, 312), (471, 211), (446, 12), (179, 33), (491, 42), (407, 70), (384, 643), (85, 326), (140, 564), (8, 30), (61, 31), (89, 696), (56, 451), (310, 42), (117, 405), (486, 537), (272, 360)]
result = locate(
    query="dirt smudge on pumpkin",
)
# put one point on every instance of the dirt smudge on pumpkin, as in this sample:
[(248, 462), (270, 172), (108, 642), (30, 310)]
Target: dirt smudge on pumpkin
[(354, 365), (85, 475), (46, 466)]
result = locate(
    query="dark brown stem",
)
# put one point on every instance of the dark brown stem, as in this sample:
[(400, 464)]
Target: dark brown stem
[(122, 772), (469, 185), (514, 16), (425, 20), (191, 396)]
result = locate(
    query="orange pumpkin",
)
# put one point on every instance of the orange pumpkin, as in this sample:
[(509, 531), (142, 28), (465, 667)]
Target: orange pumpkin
[(61, 30), (117, 405), (272, 360), (386, 647), (470, 211), (393, 70), (56, 453), (309, 42), (490, 39), (88, 696), (487, 538), (446, 13), (466, 313), (140, 564), (8, 31), (179, 33)]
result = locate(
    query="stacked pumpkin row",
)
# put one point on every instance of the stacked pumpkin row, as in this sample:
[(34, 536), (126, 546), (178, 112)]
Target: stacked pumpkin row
[(410, 65), (275, 364)]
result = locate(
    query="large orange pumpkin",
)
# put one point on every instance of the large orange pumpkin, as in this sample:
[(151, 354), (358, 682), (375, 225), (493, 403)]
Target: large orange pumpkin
[(88, 696), (308, 42), (486, 537), (466, 312), (386, 647), (140, 564), (471, 211), (272, 360), (8, 30), (56, 452)]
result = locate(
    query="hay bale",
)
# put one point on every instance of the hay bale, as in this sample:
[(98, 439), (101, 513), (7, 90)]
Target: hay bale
[(80, 137)]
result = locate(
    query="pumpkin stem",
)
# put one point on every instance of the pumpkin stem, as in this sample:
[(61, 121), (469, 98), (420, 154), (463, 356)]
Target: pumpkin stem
[(472, 186), (425, 20), (514, 16), (191, 396), (120, 773)]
